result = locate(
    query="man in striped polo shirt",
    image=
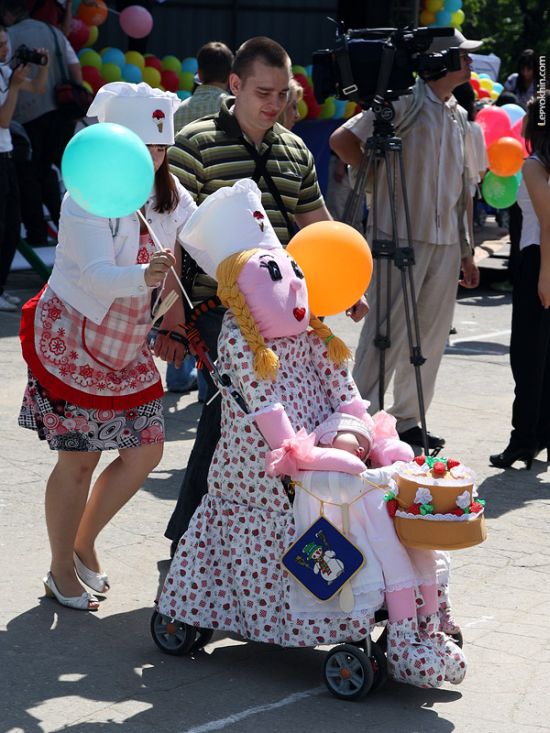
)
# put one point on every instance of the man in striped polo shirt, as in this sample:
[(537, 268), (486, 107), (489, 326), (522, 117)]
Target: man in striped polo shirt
[(243, 141)]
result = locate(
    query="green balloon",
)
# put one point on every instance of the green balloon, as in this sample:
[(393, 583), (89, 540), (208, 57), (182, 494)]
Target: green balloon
[(498, 191), (110, 72), (90, 58), (171, 63)]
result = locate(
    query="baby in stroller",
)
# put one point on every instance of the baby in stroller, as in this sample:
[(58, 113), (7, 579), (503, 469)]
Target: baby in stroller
[(227, 572)]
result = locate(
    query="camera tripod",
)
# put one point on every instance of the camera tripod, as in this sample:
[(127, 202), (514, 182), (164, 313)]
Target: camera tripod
[(385, 148)]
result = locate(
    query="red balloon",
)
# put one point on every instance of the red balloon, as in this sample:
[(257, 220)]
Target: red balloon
[(170, 81), (483, 94), (154, 62), (475, 84), (78, 34), (516, 133), (93, 77), (495, 123), (302, 80)]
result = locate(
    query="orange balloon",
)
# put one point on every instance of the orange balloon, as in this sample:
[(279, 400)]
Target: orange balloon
[(505, 156), (93, 14), (336, 262)]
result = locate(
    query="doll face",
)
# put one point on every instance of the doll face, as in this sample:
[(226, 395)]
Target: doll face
[(275, 291), (354, 443)]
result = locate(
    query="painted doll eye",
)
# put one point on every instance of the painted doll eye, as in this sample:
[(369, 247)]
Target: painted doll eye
[(297, 270), (273, 269)]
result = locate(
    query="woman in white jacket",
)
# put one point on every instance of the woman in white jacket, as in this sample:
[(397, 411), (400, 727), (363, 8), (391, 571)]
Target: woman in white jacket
[(93, 385)]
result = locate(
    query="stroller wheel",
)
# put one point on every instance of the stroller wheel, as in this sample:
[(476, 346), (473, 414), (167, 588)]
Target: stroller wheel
[(171, 636), (379, 666), (348, 672), (201, 640)]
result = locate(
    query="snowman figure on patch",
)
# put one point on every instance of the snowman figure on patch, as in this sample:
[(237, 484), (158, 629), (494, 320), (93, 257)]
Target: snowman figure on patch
[(325, 562)]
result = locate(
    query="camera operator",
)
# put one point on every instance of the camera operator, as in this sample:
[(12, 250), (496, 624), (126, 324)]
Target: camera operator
[(438, 167), (11, 83), (48, 131)]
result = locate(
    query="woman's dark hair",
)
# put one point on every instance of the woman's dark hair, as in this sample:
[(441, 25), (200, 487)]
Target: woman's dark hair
[(505, 97), (465, 96), (165, 189), (526, 60), (537, 128)]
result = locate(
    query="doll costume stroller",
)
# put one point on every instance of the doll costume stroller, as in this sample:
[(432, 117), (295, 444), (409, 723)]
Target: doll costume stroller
[(226, 573)]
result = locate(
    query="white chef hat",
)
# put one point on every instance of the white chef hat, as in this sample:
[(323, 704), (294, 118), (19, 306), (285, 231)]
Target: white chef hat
[(146, 111), (230, 220)]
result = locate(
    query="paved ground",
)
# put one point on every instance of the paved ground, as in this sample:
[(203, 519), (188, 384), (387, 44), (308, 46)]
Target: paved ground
[(65, 671)]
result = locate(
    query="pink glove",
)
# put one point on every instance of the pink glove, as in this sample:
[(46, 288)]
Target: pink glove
[(387, 448), (300, 454)]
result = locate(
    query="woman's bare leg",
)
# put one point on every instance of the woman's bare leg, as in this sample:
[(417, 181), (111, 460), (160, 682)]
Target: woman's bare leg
[(116, 485), (66, 495)]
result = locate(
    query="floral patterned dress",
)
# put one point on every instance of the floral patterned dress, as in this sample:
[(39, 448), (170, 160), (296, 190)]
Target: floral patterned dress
[(91, 386), (226, 573)]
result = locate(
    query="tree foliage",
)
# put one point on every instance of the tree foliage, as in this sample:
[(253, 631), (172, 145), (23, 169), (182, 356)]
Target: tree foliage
[(509, 27)]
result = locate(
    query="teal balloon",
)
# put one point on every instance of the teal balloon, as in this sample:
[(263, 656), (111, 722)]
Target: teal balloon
[(498, 191), (113, 56), (483, 76), (190, 64), (443, 18), (514, 112), (108, 170), (497, 87), (453, 5), (182, 94), (74, 8), (131, 73)]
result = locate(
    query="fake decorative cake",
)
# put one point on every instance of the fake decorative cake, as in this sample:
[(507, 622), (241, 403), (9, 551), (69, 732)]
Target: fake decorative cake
[(434, 505)]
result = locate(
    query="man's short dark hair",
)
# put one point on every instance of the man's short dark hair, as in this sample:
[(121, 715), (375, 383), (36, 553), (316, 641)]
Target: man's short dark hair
[(215, 60), (260, 48)]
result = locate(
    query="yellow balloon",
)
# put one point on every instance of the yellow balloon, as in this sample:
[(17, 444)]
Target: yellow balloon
[(350, 110), (457, 18), (92, 38), (151, 76), (336, 262), (494, 94), (88, 87), (134, 57), (433, 5), (473, 75), (486, 84), (427, 18), (302, 109)]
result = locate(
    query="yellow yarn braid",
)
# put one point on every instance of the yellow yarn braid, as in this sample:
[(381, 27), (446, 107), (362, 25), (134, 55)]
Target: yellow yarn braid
[(337, 350), (266, 363)]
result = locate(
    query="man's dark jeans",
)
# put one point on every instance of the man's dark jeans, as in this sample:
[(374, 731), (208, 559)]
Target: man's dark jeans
[(195, 481)]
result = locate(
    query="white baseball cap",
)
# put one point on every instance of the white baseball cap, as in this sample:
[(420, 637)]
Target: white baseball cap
[(443, 43)]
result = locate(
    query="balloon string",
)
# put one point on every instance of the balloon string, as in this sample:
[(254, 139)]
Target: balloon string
[(160, 248)]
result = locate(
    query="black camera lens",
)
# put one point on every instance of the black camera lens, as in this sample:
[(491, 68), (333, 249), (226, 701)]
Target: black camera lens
[(25, 55)]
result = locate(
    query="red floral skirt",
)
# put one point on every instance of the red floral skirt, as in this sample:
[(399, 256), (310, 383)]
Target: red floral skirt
[(66, 426)]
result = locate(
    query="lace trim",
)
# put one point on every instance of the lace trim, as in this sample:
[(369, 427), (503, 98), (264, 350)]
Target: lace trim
[(470, 517)]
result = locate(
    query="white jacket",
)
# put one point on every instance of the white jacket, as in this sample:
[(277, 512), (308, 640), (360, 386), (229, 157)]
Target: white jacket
[(95, 259)]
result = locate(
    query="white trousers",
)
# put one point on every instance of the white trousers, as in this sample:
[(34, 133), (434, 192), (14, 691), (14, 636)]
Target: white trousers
[(435, 274)]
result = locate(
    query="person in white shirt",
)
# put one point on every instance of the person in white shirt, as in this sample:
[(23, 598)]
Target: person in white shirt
[(12, 81), (93, 385), (438, 169)]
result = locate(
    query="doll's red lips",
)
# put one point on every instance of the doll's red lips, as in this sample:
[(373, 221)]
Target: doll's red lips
[(299, 313)]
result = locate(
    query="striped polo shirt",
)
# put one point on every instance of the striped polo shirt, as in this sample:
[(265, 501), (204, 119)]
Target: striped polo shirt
[(209, 154)]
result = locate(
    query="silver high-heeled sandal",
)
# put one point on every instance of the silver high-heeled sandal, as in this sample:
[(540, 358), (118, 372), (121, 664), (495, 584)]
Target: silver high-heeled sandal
[(96, 581), (80, 603)]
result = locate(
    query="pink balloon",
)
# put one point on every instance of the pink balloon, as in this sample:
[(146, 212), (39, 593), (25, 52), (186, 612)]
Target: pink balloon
[(516, 133), (495, 123), (136, 21)]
